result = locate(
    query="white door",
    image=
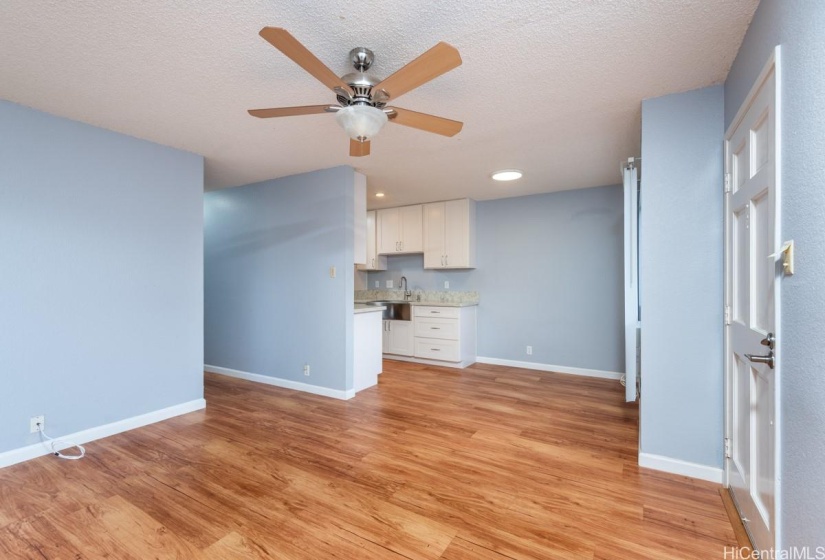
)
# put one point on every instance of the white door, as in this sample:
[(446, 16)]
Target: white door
[(401, 338), (631, 279), (412, 229), (457, 233), (752, 305), (385, 337), (389, 231), (434, 232)]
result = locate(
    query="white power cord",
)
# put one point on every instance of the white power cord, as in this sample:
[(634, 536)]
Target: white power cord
[(53, 444)]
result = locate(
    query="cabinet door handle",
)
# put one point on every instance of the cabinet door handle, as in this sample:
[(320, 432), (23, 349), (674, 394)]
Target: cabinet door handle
[(402, 245), (435, 328), (435, 311), (442, 260), (373, 263), (446, 260), (436, 349)]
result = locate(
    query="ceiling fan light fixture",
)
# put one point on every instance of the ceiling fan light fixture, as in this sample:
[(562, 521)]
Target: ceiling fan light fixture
[(507, 175), (361, 122)]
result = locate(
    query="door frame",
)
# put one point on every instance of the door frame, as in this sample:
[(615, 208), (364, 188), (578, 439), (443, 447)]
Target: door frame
[(771, 66)]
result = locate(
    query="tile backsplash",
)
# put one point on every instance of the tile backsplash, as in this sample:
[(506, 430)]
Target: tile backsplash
[(434, 296)]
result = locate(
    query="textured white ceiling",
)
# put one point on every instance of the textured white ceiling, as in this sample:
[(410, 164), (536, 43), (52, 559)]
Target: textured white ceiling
[(552, 87)]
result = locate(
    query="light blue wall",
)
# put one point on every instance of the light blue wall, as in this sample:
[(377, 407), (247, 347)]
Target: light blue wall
[(271, 306), (681, 276), (550, 275), (101, 290), (799, 26)]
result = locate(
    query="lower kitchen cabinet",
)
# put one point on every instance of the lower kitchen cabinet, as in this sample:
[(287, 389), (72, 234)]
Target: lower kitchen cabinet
[(445, 334), (398, 338)]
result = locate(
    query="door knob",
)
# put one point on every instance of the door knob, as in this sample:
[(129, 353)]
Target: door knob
[(762, 359), (769, 341)]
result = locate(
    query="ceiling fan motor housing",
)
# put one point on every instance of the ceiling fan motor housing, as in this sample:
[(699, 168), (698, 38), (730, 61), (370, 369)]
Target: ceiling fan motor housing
[(360, 82)]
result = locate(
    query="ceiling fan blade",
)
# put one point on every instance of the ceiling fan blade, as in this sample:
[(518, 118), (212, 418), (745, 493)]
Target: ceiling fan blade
[(436, 61), (358, 149), (288, 111), (423, 121), (289, 45)]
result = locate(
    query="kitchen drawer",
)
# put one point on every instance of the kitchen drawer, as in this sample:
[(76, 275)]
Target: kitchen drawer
[(432, 311), (447, 350), (436, 327)]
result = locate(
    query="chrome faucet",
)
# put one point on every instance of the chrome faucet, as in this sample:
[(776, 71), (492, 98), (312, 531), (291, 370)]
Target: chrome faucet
[(407, 292)]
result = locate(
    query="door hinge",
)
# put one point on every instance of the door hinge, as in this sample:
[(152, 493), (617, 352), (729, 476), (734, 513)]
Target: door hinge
[(727, 183), (727, 448), (727, 315)]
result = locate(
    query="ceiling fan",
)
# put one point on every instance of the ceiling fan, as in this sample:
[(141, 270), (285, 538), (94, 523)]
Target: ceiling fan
[(362, 98)]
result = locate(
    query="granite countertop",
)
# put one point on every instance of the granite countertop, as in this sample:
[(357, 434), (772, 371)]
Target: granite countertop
[(433, 298), (413, 302), (360, 307)]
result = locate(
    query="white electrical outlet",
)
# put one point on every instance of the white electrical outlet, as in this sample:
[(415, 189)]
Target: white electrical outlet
[(529, 350), (446, 284), (33, 424), (378, 283), (306, 370), (389, 283), (332, 272)]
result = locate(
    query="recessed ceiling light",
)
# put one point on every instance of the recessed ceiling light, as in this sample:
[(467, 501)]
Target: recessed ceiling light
[(507, 175), (379, 194)]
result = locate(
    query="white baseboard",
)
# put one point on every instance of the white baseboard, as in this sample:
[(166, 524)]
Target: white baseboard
[(280, 382), (21, 454), (549, 367), (684, 468)]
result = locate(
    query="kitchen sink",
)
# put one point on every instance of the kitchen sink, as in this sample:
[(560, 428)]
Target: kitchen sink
[(395, 310)]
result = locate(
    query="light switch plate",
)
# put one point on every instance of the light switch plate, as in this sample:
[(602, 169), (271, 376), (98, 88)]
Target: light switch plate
[(377, 283), (389, 283), (332, 272), (446, 284)]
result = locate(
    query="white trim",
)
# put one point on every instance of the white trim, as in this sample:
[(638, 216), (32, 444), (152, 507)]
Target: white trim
[(778, 419), (684, 468), (283, 383), (771, 65), (548, 367), (21, 454)]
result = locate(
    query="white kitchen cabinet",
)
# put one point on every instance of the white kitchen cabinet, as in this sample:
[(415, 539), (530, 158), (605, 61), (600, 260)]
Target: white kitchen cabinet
[(449, 234), (374, 261), (360, 220), (400, 230), (445, 334), (398, 338)]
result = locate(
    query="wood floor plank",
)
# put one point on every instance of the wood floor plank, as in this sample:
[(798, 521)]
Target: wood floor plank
[(486, 463)]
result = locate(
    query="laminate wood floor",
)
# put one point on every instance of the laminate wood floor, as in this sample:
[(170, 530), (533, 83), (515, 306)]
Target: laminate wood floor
[(485, 463)]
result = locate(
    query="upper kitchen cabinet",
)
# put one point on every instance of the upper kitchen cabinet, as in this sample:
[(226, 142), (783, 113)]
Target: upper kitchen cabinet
[(450, 234), (374, 260), (400, 230), (360, 236)]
